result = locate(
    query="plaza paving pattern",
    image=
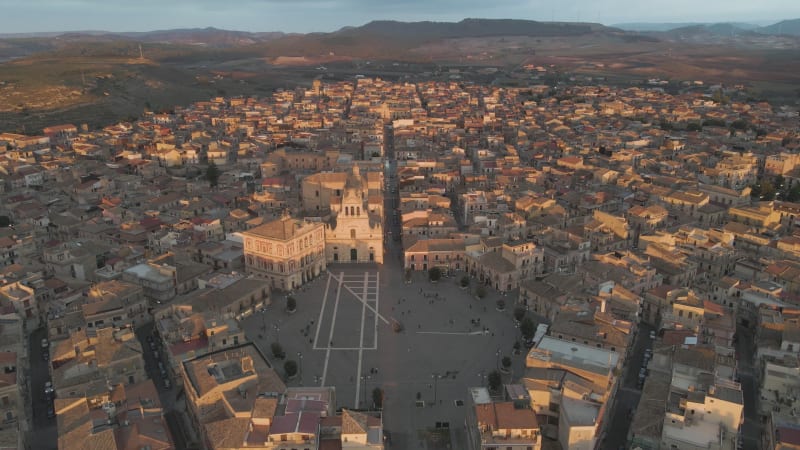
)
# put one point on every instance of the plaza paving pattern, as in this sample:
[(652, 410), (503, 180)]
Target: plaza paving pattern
[(343, 329)]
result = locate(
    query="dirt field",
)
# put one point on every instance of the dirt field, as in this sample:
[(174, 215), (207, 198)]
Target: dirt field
[(42, 90)]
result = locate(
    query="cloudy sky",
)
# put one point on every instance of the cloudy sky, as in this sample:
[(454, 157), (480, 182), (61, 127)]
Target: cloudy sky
[(327, 15)]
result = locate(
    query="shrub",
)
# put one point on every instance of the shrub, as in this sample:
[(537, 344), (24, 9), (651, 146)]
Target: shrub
[(527, 328), (465, 281), (506, 362), (501, 305), (519, 313), (480, 291), (495, 381), (290, 368), (277, 350), (377, 398), (434, 274), (291, 303)]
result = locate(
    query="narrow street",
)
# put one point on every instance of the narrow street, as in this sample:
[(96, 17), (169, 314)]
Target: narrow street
[(628, 394), (45, 430), (745, 349)]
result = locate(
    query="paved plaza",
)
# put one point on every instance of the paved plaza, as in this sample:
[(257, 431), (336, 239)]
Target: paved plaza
[(342, 336)]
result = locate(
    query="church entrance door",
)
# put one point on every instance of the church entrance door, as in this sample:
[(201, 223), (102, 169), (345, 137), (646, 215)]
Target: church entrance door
[(353, 254)]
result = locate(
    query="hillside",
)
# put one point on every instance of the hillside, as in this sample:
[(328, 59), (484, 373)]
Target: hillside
[(787, 27), (98, 77)]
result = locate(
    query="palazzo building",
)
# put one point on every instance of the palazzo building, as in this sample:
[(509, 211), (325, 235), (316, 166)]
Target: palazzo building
[(288, 252)]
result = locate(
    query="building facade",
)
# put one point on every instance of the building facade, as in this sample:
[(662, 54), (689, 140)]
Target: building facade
[(355, 234), (288, 252)]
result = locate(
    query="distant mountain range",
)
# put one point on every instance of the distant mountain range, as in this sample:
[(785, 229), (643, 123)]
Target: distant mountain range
[(784, 27)]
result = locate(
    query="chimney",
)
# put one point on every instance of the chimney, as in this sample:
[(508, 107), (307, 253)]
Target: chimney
[(247, 364), (603, 305)]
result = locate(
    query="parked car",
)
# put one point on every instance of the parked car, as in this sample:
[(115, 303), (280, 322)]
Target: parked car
[(652, 335)]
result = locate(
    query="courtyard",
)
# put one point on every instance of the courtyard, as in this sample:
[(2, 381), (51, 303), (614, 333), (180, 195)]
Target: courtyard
[(342, 335)]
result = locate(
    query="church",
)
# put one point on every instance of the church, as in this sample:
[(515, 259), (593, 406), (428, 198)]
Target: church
[(355, 230)]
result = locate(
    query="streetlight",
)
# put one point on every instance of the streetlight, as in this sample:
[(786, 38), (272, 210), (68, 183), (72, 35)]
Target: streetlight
[(435, 377), (482, 374), (278, 333), (300, 356), (497, 363), (364, 379)]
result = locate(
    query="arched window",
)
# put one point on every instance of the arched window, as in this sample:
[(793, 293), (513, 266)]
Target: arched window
[(358, 210)]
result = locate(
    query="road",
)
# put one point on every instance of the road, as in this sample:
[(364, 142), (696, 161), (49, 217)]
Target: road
[(628, 394), (171, 399), (745, 349), (45, 432)]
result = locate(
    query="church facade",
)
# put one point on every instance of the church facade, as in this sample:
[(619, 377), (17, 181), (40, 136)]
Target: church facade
[(355, 231)]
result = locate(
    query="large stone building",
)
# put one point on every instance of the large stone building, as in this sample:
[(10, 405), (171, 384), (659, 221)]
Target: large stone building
[(288, 252), (355, 233)]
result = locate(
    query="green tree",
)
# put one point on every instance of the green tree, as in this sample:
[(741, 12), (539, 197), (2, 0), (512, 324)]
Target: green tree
[(290, 368), (465, 281), (495, 381), (527, 328), (794, 193), (694, 126), (519, 313), (767, 190), (4, 221), (501, 305), (739, 124), (480, 291), (506, 362), (277, 350), (434, 274), (377, 398), (291, 304), (212, 174)]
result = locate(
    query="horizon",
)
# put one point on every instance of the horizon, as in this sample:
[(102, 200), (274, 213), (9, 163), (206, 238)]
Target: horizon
[(309, 16), (760, 23)]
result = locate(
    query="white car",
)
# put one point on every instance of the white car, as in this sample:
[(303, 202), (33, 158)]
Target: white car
[(652, 335)]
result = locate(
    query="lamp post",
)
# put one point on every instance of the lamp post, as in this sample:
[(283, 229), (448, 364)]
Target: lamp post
[(364, 379), (497, 359), (300, 357), (435, 377), (277, 333), (482, 374)]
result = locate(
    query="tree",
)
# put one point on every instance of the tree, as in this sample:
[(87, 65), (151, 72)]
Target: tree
[(290, 368), (694, 126), (408, 275), (501, 305), (212, 174), (465, 281), (480, 291), (277, 350), (506, 362), (495, 381), (527, 328), (291, 304), (4, 221), (434, 274), (519, 313), (377, 398), (767, 190), (794, 193)]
